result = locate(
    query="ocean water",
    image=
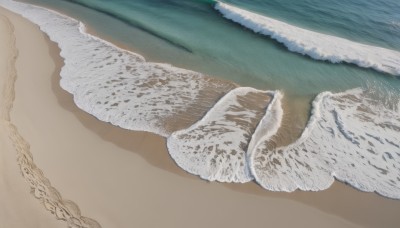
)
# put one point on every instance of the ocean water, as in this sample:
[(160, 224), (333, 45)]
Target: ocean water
[(206, 75), (192, 34)]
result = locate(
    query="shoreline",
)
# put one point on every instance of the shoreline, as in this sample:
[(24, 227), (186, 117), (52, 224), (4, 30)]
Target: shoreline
[(297, 109), (108, 133)]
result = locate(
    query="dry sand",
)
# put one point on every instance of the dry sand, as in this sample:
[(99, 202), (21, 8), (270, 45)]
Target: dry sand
[(18, 208), (123, 178)]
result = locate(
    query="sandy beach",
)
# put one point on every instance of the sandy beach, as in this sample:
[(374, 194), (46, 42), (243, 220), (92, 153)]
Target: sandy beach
[(121, 178)]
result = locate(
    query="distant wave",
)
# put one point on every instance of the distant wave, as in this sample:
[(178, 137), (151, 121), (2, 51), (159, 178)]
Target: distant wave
[(223, 132), (316, 45)]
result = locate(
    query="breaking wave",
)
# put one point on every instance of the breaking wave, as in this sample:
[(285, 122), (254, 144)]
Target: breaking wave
[(315, 45)]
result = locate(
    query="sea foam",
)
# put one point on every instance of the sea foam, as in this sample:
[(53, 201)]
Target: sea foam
[(119, 86), (215, 148), (351, 136), (313, 44)]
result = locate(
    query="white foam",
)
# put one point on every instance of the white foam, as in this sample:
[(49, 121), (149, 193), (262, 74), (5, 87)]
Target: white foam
[(269, 124), (350, 136), (215, 147), (316, 45), (116, 85)]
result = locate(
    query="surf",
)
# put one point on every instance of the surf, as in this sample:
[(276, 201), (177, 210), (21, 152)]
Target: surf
[(351, 136), (316, 45), (216, 147)]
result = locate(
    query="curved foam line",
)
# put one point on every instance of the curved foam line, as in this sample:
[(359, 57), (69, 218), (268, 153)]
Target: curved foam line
[(349, 137), (313, 44), (269, 124), (181, 145), (119, 86), (314, 117)]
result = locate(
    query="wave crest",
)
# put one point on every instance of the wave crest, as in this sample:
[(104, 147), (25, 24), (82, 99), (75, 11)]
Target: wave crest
[(315, 45)]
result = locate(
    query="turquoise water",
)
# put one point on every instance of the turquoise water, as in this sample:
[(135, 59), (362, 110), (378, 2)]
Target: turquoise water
[(193, 35), (370, 22)]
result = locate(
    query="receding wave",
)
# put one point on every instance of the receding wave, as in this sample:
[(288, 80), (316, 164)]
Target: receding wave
[(119, 86), (223, 132), (215, 148), (315, 45), (351, 136)]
